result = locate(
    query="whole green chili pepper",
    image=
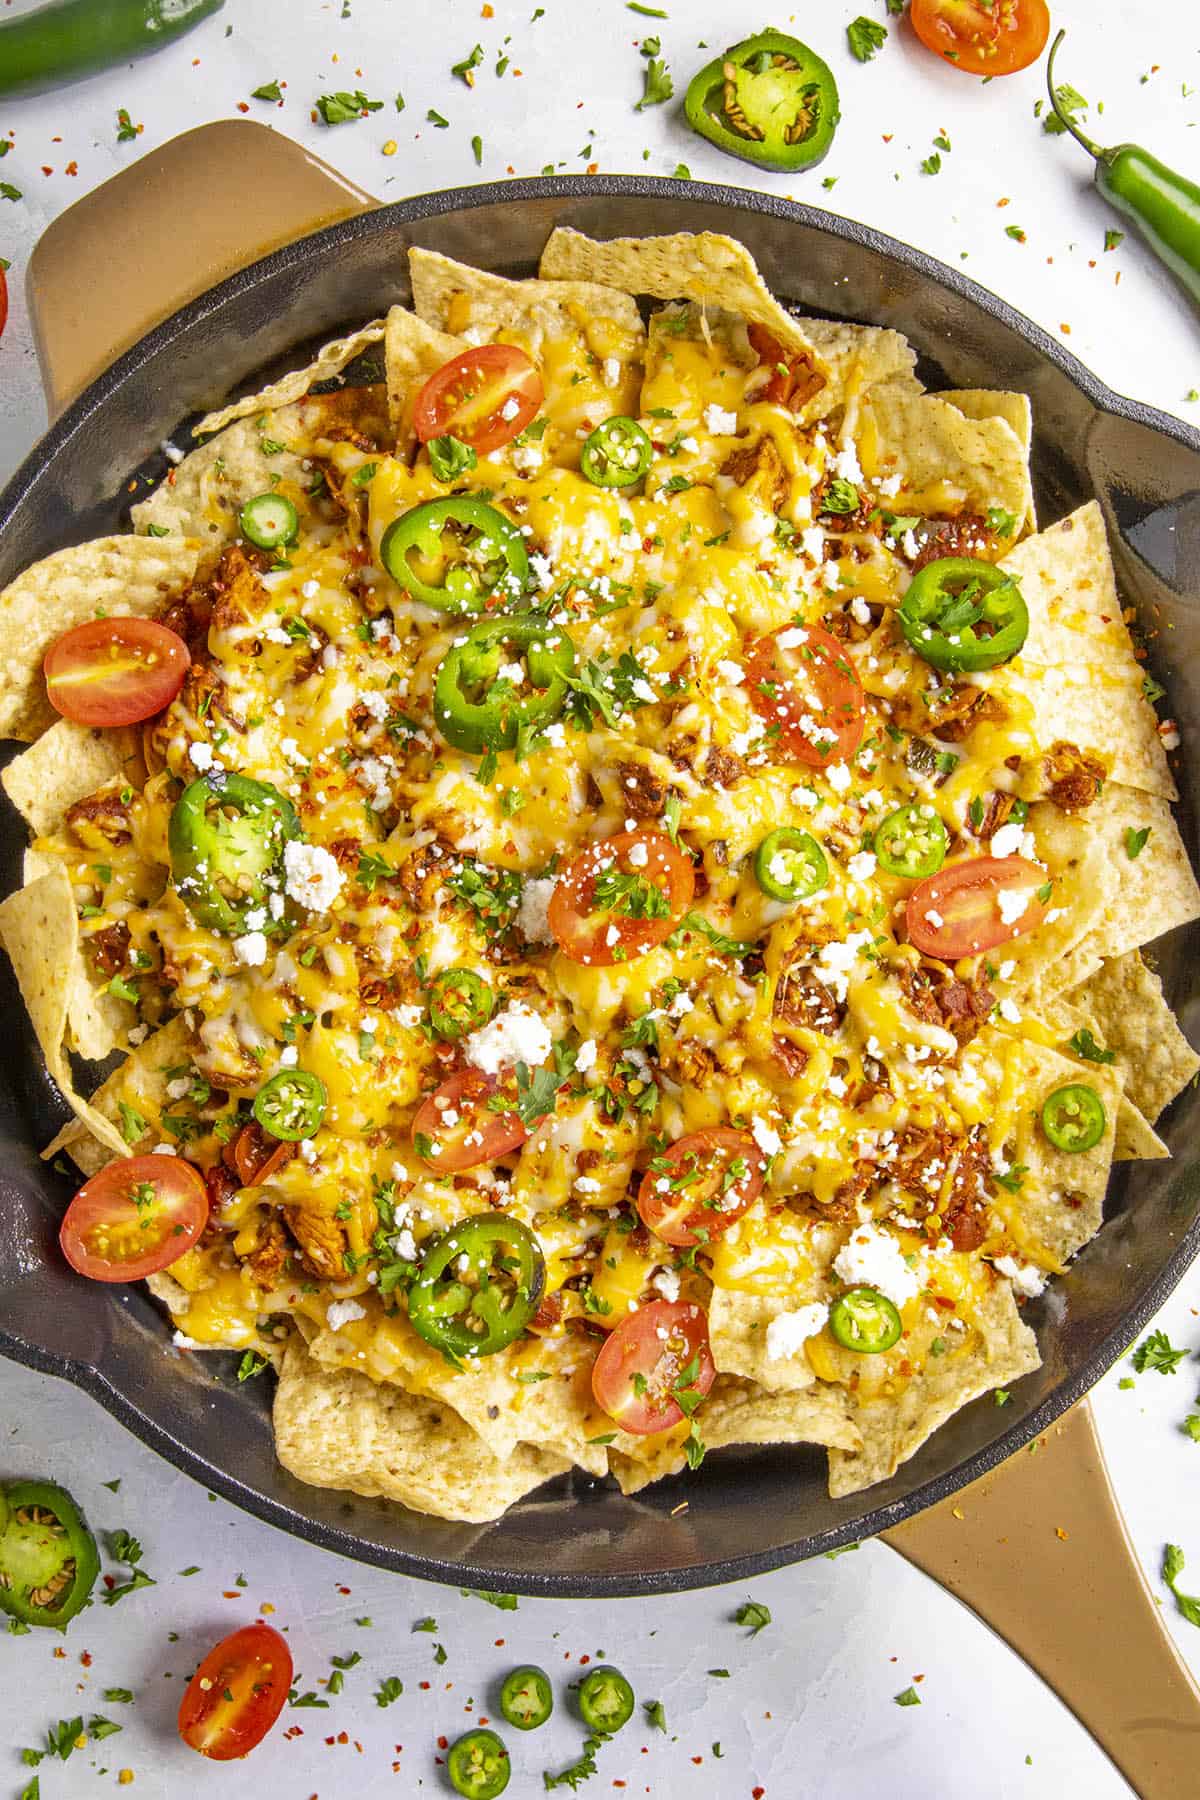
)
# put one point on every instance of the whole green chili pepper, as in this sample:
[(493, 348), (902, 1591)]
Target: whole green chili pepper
[(72, 38), (1164, 206)]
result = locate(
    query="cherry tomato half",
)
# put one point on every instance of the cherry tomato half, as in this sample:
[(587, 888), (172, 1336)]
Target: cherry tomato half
[(702, 1184), (792, 381), (138, 1215), (957, 911), (115, 671), (680, 1359), (254, 1156), (455, 1127), (802, 680), (483, 398), (620, 897), (983, 37), (236, 1694)]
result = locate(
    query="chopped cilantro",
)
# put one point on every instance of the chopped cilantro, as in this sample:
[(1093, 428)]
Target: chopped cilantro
[(655, 1715), (1172, 1569), (505, 1602), (1135, 841), (909, 1697), (270, 90), (341, 108), (753, 1614), (389, 1689), (866, 38), (657, 83), (1157, 1352), (1084, 1044)]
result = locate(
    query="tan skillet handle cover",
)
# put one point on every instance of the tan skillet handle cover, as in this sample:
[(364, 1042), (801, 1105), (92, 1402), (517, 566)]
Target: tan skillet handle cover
[(168, 227), (1040, 1551)]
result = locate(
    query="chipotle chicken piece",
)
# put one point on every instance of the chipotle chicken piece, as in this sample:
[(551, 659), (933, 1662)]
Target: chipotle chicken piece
[(100, 820), (643, 793), (758, 470), (321, 1238), (803, 999), (1074, 779), (270, 1255)]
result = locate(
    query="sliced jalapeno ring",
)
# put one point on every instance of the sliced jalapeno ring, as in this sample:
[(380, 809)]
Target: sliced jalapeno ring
[(1073, 1117), (478, 1765), (455, 554), (460, 1001), (509, 676), (617, 454), (770, 100), (291, 1105), (605, 1699), (963, 615), (269, 521), (479, 1285), (790, 865), (226, 838), (48, 1560), (865, 1320), (526, 1698), (912, 842)]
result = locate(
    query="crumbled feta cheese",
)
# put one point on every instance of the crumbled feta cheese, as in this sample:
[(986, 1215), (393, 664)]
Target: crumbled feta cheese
[(515, 1035), (1008, 969), (1025, 1278), (720, 422), (251, 949), (343, 1312), (812, 542), (666, 1283), (527, 458), (766, 1137), (1008, 1009), (788, 1332), (1007, 841), (731, 672), (612, 371), (846, 464), (201, 756), (861, 866), (289, 1056), (860, 612), (873, 1258), (639, 855), (536, 895), (511, 408), (586, 1056), (838, 777), (1012, 903), (890, 486), (313, 879), (792, 638), (178, 1088)]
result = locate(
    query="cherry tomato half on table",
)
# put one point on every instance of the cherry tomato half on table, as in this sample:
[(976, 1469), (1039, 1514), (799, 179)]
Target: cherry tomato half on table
[(484, 398), (970, 907), (138, 1215), (654, 1354), (983, 37), (620, 897), (703, 1183), (801, 680), (236, 1694), (115, 671)]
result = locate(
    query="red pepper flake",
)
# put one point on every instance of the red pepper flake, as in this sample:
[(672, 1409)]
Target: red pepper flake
[(1004, 202), (499, 1643), (46, 171), (329, 1740), (1091, 262), (483, 1719), (487, 12), (294, 1731), (585, 1658), (1065, 329), (888, 136), (443, 1743), (60, 1652), (618, 1784), (918, 1678), (757, 1793), (229, 1594), (593, 168), (344, 1590), (343, 1737), (72, 168), (697, 1759), (518, 71), (243, 106), (426, 1685), (85, 1657)]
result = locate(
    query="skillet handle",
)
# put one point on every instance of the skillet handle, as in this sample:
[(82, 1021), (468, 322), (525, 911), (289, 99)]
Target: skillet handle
[(1039, 1550), (162, 231)]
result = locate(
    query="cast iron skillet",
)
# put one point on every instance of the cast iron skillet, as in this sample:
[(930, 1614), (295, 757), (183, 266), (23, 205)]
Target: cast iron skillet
[(747, 1510)]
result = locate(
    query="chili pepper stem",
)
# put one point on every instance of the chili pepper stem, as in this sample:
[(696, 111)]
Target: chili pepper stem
[(1064, 119)]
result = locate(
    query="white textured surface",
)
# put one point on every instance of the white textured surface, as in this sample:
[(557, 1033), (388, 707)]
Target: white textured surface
[(807, 1711)]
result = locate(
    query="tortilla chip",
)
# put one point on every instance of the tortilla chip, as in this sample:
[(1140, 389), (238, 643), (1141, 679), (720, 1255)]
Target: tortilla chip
[(856, 357), (342, 1430), (1047, 959), (331, 360), (456, 298), (947, 462), (40, 931), (413, 350), (1070, 587), (1000, 1350), (1152, 892), (705, 266), (737, 1330), (66, 764), (1059, 1204), (118, 576), (1136, 1138), (1101, 708), (1016, 410), (736, 1412), (201, 498), (97, 1022), (141, 1083), (1125, 1005)]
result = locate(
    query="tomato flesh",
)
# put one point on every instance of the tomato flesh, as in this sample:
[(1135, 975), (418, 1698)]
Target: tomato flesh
[(457, 1119), (255, 1156), (792, 380), (138, 1215), (983, 37), (484, 398), (115, 671), (956, 912), (801, 680), (236, 1694), (700, 1186), (636, 1348), (647, 872)]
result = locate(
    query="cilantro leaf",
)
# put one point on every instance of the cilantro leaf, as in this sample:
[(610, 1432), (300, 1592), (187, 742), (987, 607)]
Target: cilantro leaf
[(866, 37), (341, 108), (1084, 1044), (754, 1614), (657, 83), (1157, 1352), (1172, 1569), (909, 1697), (270, 90)]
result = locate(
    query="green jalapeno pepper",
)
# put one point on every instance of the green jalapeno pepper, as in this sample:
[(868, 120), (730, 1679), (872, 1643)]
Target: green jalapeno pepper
[(617, 454), (459, 1001), (770, 100), (72, 38), (790, 865), (478, 706), (911, 842), (291, 1105), (1163, 205), (865, 1320), (269, 521), (455, 554), (1073, 1117), (48, 1560), (478, 1766), (526, 1698), (477, 1310), (963, 615), (226, 838), (605, 1699)]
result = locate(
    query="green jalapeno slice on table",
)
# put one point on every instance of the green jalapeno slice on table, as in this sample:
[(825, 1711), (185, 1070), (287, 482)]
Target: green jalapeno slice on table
[(526, 1698), (291, 1105), (479, 705), (477, 1309), (269, 521), (790, 865), (770, 100), (865, 1320), (48, 1560), (963, 615), (605, 1699), (1073, 1117), (226, 838), (460, 1001), (617, 454), (478, 1765), (455, 554), (911, 842)]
